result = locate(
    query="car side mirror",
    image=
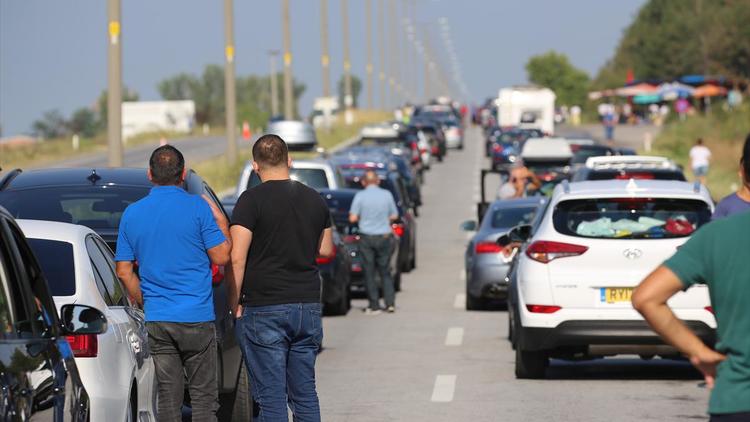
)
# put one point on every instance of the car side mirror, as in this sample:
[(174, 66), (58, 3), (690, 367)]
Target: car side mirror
[(520, 233), (469, 226), (504, 240), (82, 319)]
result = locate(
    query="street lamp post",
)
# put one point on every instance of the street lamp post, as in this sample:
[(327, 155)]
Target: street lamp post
[(274, 83), (369, 69), (324, 57), (114, 82), (288, 94), (230, 96), (348, 98), (381, 44)]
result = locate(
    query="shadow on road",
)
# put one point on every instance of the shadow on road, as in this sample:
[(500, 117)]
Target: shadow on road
[(623, 369)]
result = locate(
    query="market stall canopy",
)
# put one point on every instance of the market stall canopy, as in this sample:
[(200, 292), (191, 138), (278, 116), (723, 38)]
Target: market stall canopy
[(637, 89), (671, 91), (709, 91), (646, 99)]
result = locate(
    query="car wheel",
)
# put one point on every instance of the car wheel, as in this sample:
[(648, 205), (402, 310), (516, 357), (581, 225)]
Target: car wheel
[(130, 415), (237, 406), (461, 146), (474, 303), (413, 263), (339, 308), (531, 364), (397, 281)]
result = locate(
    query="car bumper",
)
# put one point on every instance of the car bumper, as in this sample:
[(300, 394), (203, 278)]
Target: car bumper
[(488, 281), (453, 142), (622, 336)]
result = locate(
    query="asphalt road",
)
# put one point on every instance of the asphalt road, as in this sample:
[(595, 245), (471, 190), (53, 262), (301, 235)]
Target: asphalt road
[(434, 361)]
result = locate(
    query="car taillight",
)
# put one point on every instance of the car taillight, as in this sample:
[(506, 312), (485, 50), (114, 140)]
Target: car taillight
[(351, 238), (543, 309), (487, 247), (323, 260), (217, 274), (435, 150), (634, 175), (356, 268), (545, 251), (398, 229), (497, 147), (710, 309), (84, 345)]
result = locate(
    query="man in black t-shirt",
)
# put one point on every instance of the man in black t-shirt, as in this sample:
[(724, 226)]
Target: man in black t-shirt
[(278, 229)]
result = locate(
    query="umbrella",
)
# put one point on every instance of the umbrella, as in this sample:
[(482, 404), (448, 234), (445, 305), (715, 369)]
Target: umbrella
[(674, 90), (638, 89), (709, 91), (646, 99)]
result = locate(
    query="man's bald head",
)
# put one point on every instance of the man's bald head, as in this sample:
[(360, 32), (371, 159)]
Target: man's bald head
[(371, 178)]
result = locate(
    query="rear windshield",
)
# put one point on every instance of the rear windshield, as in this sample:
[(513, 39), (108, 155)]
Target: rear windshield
[(584, 154), (314, 178), (630, 218), (511, 217), (635, 174), (56, 259), (97, 207)]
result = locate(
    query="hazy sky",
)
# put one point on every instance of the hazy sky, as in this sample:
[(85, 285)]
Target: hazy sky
[(53, 52)]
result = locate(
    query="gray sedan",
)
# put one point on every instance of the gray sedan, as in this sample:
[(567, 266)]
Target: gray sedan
[(486, 267)]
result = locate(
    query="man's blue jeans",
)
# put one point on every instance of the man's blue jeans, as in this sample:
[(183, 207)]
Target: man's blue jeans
[(280, 344)]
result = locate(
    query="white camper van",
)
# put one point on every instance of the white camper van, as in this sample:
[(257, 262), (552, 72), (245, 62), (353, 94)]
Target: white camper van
[(527, 106)]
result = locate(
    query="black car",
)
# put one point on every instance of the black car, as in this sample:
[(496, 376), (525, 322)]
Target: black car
[(339, 202), (39, 379), (96, 198), (335, 275)]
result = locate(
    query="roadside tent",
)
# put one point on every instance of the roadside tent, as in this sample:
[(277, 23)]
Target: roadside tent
[(638, 89), (709, 91), (646, 99), (674, 90)]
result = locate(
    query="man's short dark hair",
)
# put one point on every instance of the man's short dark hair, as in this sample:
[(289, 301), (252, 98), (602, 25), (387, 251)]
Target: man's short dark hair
[(167, 165), (270, 151), (745, 160)]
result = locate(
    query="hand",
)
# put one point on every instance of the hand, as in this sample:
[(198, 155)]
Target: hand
[(218, 214), (238, 312), (706, 361)]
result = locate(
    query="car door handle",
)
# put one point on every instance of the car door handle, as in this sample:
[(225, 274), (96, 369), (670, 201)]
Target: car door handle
[(58, 391)]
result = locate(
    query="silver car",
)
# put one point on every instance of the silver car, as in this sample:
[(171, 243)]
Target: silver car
[(486, 267), (299, 136)]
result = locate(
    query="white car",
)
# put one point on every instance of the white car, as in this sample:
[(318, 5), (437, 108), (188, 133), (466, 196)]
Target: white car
[(115, 366), (317, 174), (584, 254)]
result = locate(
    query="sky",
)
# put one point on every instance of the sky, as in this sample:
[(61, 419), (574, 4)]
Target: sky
[(53, 54)]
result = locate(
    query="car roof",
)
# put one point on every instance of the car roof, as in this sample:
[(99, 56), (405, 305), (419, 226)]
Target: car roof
[(529, 201), (79, 177), (629, 162), (383, 130), (53, 230), (546, 148), (312, 164), (338, 193), (631, 188)]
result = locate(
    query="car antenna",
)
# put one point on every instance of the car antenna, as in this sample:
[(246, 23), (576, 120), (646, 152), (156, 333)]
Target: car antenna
[(93, 177)]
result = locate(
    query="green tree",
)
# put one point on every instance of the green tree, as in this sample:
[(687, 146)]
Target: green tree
[(101, 104), (52, 124), (84, 122), (554, 71), (356, 90), (178, 87)]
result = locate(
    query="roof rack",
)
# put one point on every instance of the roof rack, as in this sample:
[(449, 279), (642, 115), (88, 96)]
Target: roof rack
[(8, 177), (630, 162)]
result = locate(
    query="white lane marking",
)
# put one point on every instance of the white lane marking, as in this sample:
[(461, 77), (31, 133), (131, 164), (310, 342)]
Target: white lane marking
[(454, 337), (445, 386), (460, 301), (476, 197), (462, 275)]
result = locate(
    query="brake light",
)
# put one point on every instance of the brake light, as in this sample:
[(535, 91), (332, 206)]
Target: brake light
[(356, 268), (497, 147), (487, 247), (323, 260), (710, 309), (637, 176), (543, 309), (351, 238), (398, 229), (545, 251), (435, 150), (84, 345), (217, 274)]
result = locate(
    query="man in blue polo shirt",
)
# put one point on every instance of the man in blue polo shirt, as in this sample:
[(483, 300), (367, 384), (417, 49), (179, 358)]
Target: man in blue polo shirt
[(174, 237)]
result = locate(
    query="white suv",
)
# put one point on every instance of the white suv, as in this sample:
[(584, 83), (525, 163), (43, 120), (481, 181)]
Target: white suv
[(594, 242)]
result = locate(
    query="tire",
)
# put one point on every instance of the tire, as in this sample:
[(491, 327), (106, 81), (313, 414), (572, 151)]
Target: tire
[(339, 308), (397, 281), (131, 411), (237, 406), (531, 365), (474, 303), (413, 261)]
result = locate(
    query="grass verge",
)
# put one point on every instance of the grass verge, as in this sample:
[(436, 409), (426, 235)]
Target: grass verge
[(722, 131), (222, 175)]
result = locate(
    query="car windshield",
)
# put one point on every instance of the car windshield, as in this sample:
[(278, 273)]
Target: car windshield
[(584, 154), (96, 207), (638, 174), (630, 218), (511, 217), (314, 178), (56, 259)]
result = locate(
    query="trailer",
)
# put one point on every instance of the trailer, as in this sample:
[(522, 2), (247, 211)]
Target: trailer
[(527, 106)]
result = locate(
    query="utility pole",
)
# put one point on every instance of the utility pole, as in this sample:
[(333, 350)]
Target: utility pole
[(114, 82), (427, 65), (288, 95), (274, 83), (368, 25), (392, 56), (415, 58), (324, 57), (230, 96), (348, 94), (381, 44)]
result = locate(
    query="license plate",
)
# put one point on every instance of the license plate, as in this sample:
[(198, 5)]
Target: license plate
[(615, 294)]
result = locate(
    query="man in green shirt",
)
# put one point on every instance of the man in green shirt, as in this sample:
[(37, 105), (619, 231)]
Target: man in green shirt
[(717, 255)]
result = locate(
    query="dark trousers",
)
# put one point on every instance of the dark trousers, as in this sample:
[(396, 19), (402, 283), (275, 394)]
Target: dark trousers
[(185, 351), (731, 417), (280, 344), (376, 256)]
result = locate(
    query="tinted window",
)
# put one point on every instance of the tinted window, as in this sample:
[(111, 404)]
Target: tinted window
[(584, 154), (97, 207), (314, 178), (630, 218), (635, 174), (511, 217), (103, 267), (6, 319), (254, 180), (56, 259)]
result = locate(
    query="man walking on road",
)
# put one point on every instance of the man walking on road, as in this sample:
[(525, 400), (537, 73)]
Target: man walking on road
[(278, 229), (374, 210), (716, 255), (174, 237), (700, 156)]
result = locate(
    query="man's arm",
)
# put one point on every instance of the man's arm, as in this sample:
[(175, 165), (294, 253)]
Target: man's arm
[(325, 245), (354, 210), (126, 274), (241, 239), (219, 254), (650, 299)]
